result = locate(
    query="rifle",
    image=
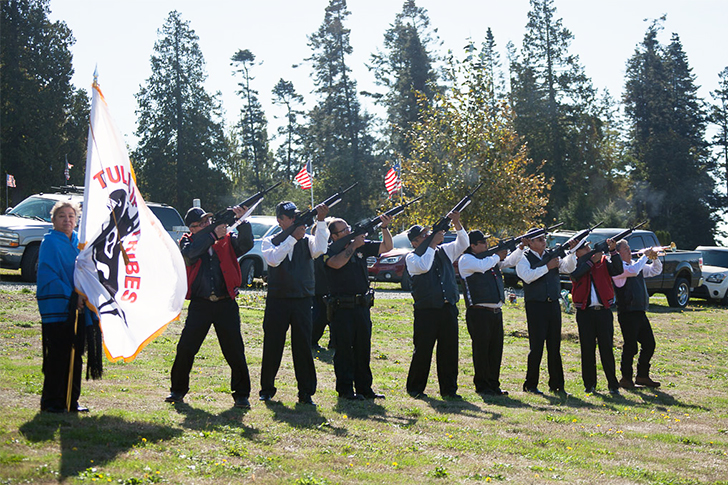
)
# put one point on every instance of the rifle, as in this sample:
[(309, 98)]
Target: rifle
[(364, 228), (444, 223), (227, 216), (603, 247), (306, 218), (512, 243), (560, 250)]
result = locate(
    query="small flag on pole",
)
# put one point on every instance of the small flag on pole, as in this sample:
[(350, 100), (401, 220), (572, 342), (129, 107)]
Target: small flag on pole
[(67, 171), (304, 177), (391, 181), (9, 181)]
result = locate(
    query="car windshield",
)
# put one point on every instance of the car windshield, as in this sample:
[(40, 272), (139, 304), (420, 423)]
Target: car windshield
[(554, 240), (715, 258), (400, 241), (167, 216), (34, 208), (261, 228)]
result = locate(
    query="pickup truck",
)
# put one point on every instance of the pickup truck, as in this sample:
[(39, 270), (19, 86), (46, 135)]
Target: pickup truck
[(681, 270), (22, 227)]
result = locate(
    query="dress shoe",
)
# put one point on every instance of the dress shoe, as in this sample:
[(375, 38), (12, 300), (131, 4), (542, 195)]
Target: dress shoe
[(646, 381), (352, 397), (79, 409), (590, 390), (175, 396), (242, 403), (373, 395), (306, 400), (615, 392), (626, 383), (491, 392), (559, 391), (533, 390), (418, 395), (265, 397)]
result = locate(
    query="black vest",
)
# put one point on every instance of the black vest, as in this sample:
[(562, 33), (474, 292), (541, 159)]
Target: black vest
[(484, 287), (547, 286), (633, 296), (438, 286), (293, 278)]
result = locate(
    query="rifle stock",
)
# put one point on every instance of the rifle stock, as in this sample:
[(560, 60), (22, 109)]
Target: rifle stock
[(337, 246), (444, 223), (603, 247), (306, 218), (560, 250)]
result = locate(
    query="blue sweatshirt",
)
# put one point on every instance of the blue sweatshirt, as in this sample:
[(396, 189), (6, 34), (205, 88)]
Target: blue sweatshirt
[(56, 262)]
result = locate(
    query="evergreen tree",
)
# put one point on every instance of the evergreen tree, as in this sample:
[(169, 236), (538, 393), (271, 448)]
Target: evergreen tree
[(404, 69), (558, 115), (284, 94), (461, 141), (667, 140), (253, 127), (43, 119), (182, 147), (491, 62), (719, 117), (336, 138)]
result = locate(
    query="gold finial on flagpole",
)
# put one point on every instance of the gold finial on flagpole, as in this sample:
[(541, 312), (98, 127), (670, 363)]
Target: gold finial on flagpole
[(96, 76)]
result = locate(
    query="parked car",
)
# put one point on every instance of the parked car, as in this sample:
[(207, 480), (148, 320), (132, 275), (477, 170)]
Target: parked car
[(22, 227), (715, 274), (252, 264), (390, 266)]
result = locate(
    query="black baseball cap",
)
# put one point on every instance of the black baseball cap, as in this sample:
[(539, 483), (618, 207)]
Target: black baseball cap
[(415, 231), (195, 214), (286, 208), (476, 236)]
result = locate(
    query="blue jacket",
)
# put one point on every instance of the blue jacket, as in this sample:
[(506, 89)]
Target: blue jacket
[(56, 262)]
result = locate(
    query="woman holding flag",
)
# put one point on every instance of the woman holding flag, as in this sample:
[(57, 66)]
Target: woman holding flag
[(59, 306)]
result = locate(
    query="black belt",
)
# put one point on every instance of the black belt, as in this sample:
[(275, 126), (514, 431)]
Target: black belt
[(351, 301), (487, 308), (596, 307), (212, 297)]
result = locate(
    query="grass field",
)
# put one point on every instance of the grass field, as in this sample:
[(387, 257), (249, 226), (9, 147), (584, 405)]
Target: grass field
[(677, 434)]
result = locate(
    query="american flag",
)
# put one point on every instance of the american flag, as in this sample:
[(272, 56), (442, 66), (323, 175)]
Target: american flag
[(9, 181), (304, 177), (67, 171), (392, 181)]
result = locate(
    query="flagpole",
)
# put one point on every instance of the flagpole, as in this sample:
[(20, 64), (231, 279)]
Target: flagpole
[(311, 175), (70, 364)]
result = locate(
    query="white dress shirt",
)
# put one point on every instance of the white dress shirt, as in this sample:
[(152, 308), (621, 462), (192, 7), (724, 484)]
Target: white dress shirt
[(528, 275), (469, 265), (422, 264), (274, 255), (633, 269)]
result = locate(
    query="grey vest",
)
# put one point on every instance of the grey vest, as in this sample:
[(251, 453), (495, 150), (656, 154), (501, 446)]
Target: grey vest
[(633, 296), (438, 286), (547, 286), (293, 278), (484, 287)]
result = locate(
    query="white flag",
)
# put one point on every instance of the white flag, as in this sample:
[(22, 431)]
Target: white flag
[(134, 299)]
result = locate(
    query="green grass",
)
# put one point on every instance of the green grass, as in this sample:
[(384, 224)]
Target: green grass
[(677, 434)]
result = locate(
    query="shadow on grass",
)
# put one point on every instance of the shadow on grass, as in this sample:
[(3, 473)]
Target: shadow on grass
[(201, 420), (87, 441), (303, 416), (667, 309), (659, 397)]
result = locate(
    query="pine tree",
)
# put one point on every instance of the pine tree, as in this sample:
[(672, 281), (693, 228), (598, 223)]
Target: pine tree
[(43, 119), (253, 126), (558, 115), (667, 140), (182, 146), (284, 94), (336, 137), (404, 69), (719, 117)]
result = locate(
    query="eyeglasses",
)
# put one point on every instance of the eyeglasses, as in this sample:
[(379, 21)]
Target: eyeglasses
[(345, 228), (539, 239), (202, 223), (482, 241)]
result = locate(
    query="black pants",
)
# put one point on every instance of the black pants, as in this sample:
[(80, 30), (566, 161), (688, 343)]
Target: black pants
[(281, 313), (319, 320), (486, 334), (596, 327), (224, 314), (435, 325), (544, 326), (353, 342), (636, 329), (58, 339)]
